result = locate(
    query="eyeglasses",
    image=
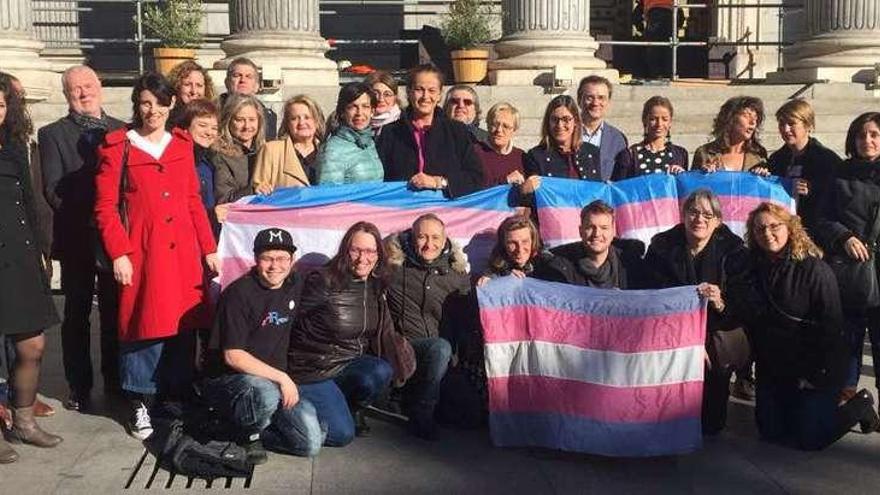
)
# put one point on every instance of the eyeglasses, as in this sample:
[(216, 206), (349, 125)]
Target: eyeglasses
[(462, 101), (773, 227), (356, 253), (707, 215), (281, 260), (494, 126), (384, 94), (562, 120)]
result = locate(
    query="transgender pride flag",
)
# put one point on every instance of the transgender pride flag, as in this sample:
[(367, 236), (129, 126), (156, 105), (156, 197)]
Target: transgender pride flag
[(647, 205), (317, 218), (608, 372)]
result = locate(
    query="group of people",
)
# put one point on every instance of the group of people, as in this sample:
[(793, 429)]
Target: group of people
[(291, 361)]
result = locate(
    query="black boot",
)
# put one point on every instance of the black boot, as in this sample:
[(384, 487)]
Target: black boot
[(256, 453), (361, 428), (869, 421)]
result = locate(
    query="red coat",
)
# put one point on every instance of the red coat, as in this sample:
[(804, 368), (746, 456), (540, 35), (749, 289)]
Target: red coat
[(168, 235)]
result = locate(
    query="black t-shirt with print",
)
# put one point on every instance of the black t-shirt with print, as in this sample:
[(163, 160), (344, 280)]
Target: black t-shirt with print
[(255, 319)]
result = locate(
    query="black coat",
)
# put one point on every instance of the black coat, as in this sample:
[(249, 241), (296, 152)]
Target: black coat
[(25, 297), (567, 264), (854, 200), (68, 161), (817, 165), (550, 163), (670, 264), (787, 350), (448, 153)]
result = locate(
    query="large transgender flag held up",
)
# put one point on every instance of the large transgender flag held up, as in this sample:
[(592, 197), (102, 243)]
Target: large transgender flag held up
[(608, 372), (317, 218), (649, 204)]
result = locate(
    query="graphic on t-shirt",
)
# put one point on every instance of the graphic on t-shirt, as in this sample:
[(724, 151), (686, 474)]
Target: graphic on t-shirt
[(274, 318)]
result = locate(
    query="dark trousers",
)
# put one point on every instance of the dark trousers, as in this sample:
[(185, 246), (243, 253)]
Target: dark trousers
[(716, 392), (808, 419), (78, 284), (658, 27), (422, 390), (856, 327)]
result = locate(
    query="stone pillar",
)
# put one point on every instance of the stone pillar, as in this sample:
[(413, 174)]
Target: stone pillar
[(841, 43), (282, 34), (20, 50), (56, 23), (541, 34)]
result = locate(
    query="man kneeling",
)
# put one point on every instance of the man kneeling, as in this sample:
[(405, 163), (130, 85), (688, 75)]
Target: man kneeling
[(247, 382)]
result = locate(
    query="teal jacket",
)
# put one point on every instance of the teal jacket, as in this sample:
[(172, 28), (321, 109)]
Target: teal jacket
[(348, 157)]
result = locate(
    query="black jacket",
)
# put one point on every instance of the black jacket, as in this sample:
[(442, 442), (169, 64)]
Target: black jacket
[(68, 161), (854, 200), (568, 264), (550, 163), (671, 265), (768, 295), (427, 299), (817, 165), (334, 326), (448, 153)]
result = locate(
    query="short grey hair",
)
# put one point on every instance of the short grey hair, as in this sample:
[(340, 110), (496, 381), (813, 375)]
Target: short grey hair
[(702, 194), (503, 106), (447, 108), (65, 76)]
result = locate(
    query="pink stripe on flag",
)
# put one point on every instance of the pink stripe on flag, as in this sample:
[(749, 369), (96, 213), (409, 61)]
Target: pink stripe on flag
[(540, 394), (564, 223), (605, 333), (737, 208)]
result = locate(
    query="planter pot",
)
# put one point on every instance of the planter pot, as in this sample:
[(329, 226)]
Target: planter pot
[(168, 58), (469, 66)]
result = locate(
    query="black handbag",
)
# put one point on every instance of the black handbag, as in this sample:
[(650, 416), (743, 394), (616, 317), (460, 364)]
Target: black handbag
[(729, 350), (857, 280), (102, 259)]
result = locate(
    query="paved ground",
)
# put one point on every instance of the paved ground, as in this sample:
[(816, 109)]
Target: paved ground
[(97, 457)]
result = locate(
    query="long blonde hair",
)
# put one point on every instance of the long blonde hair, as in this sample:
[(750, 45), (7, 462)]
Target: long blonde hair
[(226, 143), (799, 242)]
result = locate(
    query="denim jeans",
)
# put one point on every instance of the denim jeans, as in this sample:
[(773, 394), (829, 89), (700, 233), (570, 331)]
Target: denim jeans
[(159, 366), (422, 390), (856, 326), (253, 405), (357, 385)]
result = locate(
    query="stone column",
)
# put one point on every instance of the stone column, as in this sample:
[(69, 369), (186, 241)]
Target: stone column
[(282, 34), (841, 43), (56, 23), (20, 50), (541, 34)]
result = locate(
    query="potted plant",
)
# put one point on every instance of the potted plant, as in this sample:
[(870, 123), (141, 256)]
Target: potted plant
[(465, 28), (176, 23)]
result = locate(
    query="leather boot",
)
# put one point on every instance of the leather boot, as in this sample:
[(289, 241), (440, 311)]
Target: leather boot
[(26, 430), (7, 454), (43, 410)]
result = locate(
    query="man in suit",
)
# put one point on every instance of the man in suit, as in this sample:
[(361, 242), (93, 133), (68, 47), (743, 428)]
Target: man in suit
[(594, 98), (67, 149), (243, 78)]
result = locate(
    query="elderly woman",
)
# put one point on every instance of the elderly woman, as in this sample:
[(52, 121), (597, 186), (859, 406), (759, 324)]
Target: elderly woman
[(289, 161), (655, 153), (804, 159), (736, 146), (791, 305), (341, 317), (850, 235), (426, 148), (463, 104), (502, 161), (241, 138), (191, 82), (561, 152), (349, 155), (387, 107), (702, 251)]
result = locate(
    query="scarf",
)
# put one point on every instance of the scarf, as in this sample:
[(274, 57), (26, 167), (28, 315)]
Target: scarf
[(380, 119), (604, 276), (87, 122)]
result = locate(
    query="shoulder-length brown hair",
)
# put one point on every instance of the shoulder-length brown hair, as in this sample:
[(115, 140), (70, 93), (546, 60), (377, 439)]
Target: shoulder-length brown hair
[(17, 125), (569, 104), (182, 70), (498, 260), (799, 242), (855, 127), (226, 143), (724, 122), (339, 266)]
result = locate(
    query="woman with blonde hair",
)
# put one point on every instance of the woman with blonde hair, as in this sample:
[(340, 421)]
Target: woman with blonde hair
[(502, 161), (289, 160), (241, 138), (790, 303)]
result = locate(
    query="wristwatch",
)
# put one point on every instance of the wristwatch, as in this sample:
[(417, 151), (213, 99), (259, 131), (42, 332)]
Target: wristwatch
[(443, 183)]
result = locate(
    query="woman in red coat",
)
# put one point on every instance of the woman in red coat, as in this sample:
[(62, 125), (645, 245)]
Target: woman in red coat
[(157, 253)]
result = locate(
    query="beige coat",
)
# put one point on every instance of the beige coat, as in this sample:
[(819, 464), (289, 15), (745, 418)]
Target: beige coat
[(278, 165)]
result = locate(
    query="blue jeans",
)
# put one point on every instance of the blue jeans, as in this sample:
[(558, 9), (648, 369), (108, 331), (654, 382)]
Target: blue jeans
[(358, 384), (164, 366), (856, 326), (253, 405), (423, 389)]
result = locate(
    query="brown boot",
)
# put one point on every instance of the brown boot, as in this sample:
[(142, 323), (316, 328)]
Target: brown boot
[(5, 417), (43, 410), (26, 430), (7, 454)]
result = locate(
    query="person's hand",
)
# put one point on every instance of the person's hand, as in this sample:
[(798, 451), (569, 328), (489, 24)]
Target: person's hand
[(706, 360), (856, 249), (264, 189), (518, 273), (531, 184), (802, 187), (213, 262), (289, 393), (123, 272), (424, 181), (221, 210), (482, 281), (713, 293), (516, 177), (760, 171), (712, 164), (675, 169), (47, 266)]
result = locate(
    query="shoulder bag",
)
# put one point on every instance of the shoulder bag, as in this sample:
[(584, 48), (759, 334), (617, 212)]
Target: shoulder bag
[(858, 279)]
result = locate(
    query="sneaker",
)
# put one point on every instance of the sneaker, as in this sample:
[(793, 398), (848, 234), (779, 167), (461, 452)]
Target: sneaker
[(361, 428), (743, 389), (77, 401), (139, 425)]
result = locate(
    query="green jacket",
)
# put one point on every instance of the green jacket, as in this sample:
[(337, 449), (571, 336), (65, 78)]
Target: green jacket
[(348, 157)]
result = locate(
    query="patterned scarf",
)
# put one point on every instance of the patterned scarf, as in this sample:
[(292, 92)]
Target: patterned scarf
[(87, 122)]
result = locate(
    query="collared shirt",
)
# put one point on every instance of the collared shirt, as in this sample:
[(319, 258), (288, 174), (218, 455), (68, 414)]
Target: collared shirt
[(595, 138)]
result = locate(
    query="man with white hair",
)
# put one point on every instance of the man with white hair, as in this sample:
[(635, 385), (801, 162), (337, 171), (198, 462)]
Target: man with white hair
[(68, 160)]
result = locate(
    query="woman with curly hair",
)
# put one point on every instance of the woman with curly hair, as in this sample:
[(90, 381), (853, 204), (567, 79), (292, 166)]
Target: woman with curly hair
[(736, 146), (191, 82), (790, 302), (26, 306)]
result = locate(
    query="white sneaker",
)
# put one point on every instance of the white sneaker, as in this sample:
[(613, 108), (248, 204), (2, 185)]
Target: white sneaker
[(139, 426)]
